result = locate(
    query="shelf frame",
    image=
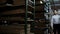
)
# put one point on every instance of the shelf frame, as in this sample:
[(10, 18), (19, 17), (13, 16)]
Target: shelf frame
[(26, 13)]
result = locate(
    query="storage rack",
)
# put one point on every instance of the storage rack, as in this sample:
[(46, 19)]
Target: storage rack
[(49, 14), (29, 5), (5, 15), (30, 10), (39, 15)]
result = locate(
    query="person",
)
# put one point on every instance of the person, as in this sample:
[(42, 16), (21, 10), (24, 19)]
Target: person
[(55, 22)]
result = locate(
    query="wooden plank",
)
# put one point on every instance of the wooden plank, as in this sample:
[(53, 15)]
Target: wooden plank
[(19, 2), (15, 2), (13, 18), (14, 29), (17, 11)]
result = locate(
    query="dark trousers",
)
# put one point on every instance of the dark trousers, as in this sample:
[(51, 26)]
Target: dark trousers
[(56, 28)]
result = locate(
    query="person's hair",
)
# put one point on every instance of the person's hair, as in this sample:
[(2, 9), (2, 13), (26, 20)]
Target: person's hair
[(55, 11)]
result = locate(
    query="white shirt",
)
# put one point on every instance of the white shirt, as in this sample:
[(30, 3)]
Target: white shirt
[(55, 20)]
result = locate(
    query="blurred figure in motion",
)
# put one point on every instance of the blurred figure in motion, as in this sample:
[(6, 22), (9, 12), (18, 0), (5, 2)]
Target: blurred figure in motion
[(55, 22)]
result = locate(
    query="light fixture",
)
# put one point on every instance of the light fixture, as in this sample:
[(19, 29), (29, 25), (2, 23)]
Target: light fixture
[(41, 2)]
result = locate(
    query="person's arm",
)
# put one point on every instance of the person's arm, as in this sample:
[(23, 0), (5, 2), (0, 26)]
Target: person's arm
[(52, 22)]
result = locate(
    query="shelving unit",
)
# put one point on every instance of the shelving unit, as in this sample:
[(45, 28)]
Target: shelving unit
[(15, 14), (25, 14), (8, 11), (41, 23), (48, 14), (29, 5)]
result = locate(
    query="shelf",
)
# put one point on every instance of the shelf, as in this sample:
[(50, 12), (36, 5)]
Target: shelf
[(30, 6), (13, 6), (39, 18), (30, 1), (42, 28), (14, 15), (18, 22), (41, 11), (18, 11), (15, 19), (29, 12), (28, 19), (9, 8)]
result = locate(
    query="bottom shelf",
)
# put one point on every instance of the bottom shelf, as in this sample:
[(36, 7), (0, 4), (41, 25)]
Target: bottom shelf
[(14, 29)]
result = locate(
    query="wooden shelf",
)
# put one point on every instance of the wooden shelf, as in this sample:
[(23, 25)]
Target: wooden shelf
[(9, 8), (14, 19), (28, 19), (15, 15)]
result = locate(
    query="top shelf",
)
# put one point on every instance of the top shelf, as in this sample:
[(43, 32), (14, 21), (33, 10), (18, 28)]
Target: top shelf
[(30, 1), (9, 8)]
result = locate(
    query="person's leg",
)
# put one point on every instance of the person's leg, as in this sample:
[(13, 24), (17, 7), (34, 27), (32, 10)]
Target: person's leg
[(58, 31), (54, 30), (58, 28)]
